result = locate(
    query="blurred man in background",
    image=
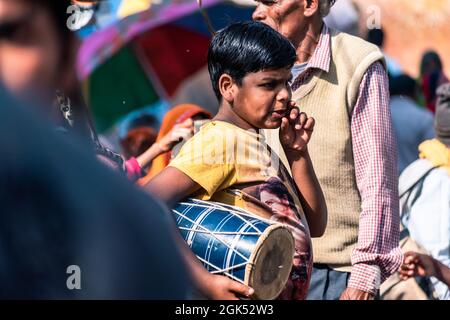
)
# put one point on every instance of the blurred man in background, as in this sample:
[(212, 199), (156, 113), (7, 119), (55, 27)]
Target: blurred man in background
[(376, 36), (412, 123), (425, 191)]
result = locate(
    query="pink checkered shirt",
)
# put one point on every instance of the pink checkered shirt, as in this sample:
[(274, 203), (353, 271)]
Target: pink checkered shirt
[(377, 254)]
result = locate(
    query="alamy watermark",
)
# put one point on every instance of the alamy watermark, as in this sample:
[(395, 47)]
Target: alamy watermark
[(73, 281)]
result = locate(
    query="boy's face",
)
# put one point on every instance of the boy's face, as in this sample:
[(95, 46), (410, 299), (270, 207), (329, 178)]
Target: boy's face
[(263, 98), (29, 50)]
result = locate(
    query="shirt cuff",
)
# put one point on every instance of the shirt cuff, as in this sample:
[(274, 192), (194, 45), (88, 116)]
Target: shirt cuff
[(365, 277)]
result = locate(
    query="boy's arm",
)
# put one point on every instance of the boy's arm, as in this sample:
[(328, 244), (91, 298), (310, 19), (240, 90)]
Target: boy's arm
[(311, 196), (172, 185), (295, 133)]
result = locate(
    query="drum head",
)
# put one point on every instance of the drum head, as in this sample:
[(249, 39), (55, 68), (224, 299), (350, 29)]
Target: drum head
[(271, 262)]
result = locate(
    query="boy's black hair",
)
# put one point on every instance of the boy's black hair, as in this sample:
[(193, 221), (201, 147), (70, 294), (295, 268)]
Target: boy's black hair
[(246, 47)]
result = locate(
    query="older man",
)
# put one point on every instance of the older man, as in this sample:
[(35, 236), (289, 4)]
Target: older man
[(341, 81)]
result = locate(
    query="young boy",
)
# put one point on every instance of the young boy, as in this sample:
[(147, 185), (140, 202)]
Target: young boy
[(227, 161)]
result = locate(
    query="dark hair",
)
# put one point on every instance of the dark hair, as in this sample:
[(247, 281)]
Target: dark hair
[(403, 85), (58, 13), (247, 47), (430, 58), (376, 36)]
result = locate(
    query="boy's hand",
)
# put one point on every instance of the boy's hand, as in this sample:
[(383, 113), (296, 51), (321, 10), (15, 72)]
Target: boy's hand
[(296, 130), (217, 287), (416, 264)]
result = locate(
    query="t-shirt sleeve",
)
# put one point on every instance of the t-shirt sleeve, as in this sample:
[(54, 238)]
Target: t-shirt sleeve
[(208, 159)]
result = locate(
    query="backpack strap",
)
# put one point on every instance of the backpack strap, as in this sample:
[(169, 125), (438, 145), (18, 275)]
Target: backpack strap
[(414, 190)]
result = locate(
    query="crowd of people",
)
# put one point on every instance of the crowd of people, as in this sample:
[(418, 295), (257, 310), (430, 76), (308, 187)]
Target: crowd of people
[(359, 162)]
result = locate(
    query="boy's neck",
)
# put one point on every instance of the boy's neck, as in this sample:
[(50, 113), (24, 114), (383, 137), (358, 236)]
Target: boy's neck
[(227, 114)]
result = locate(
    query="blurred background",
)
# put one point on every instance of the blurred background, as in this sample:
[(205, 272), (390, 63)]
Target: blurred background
[(153, 53)]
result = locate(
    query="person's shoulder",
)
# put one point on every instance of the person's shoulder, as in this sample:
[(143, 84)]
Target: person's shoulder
[(411, 107), (414, 172), (351, 41)]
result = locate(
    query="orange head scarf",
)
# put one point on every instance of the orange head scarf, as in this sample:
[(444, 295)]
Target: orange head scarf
[(176, 115)]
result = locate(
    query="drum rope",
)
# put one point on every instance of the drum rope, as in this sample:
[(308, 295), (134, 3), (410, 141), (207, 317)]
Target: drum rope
[(224, 271), (222, 232), (208, 231), (238, 214)]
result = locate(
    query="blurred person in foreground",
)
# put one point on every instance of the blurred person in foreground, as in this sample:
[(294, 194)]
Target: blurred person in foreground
[(37, 65), (37, 57), (59, 208), (412, 123), (425, 191)]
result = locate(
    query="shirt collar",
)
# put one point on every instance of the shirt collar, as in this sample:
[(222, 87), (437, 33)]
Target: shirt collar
[(322, 54)]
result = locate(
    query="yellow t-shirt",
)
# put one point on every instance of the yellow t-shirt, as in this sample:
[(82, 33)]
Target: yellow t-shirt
[(236, 167)]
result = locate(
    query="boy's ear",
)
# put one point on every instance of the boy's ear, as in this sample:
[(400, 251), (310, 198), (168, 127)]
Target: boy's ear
[(311, 7), (227, 88)]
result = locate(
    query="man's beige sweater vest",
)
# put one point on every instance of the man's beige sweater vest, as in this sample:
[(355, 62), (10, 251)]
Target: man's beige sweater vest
[(330, 98)]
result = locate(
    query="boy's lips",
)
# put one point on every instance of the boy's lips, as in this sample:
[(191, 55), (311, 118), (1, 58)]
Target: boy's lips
[(278, 114)]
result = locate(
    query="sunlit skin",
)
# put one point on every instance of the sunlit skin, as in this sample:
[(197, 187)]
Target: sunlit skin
[(297, 20), (30, 52)]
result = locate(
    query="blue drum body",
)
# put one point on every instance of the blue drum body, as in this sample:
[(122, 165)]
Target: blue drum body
[(223, 237), (236, 243)]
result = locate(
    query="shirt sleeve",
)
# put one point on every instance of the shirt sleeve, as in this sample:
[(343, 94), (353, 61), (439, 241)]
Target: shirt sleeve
[(377, 254), (205, 158)]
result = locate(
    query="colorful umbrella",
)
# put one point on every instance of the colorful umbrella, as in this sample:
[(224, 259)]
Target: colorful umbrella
[(151, 56)]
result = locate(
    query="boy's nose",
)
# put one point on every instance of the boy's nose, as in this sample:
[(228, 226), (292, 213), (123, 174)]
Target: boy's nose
[(284, 94)]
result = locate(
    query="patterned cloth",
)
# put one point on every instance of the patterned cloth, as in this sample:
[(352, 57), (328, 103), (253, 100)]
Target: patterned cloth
[(377, 254)]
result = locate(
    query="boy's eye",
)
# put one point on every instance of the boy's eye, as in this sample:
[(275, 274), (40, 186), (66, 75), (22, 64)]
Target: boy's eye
[(269, 85)]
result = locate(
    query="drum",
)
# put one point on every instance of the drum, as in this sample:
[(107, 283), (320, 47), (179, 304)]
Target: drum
[(236, 243)]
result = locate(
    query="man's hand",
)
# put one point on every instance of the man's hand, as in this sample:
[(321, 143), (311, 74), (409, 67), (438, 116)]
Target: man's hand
[(355, 294), (296, 130), (217, 287), (416, 264)]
